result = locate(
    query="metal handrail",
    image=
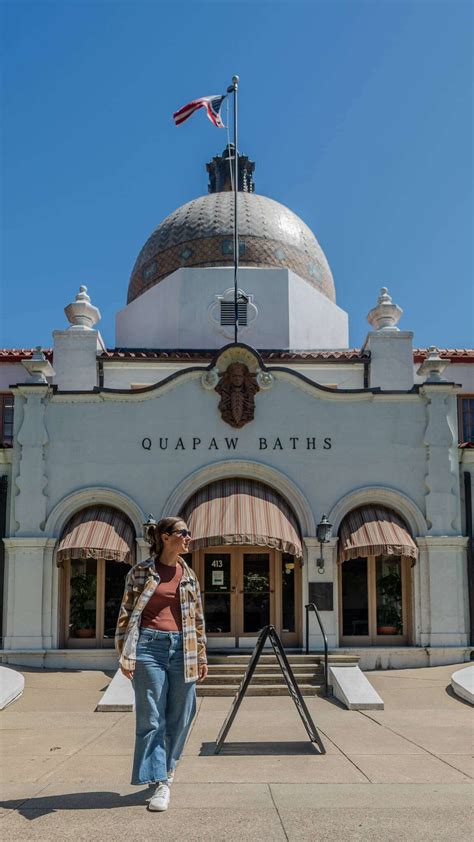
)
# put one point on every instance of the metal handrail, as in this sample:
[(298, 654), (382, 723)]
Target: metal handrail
[(312, 607)]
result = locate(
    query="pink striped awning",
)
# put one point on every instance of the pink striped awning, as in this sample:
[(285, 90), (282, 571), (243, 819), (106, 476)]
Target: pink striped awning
[(241, 511), (375, 530), (98, 532)]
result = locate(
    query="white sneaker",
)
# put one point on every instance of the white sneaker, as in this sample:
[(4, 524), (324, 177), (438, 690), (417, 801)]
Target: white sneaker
[(160, 798), (171, 777)]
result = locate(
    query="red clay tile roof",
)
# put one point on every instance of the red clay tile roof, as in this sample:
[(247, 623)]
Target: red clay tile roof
[(300, 356), (148, 354), (311, 356), (15, 355), (455, 355)]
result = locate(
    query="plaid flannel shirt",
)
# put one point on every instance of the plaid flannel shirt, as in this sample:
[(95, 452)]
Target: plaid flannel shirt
[(140, 585)]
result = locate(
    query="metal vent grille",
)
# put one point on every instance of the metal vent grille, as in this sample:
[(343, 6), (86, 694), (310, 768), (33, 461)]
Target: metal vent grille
[(228, 313)]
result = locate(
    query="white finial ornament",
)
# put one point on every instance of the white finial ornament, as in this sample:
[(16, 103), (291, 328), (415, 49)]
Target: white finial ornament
[(432, 366), (386, 314), (81, 313), (38, 367)]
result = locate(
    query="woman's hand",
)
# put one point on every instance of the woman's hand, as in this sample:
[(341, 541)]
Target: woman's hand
[(126, 673), (202, 672)]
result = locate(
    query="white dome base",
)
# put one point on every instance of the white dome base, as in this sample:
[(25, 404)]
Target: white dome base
[(179, 312)]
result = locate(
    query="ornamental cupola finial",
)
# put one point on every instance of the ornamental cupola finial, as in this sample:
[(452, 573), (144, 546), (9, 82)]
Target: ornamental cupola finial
[(221, 170)]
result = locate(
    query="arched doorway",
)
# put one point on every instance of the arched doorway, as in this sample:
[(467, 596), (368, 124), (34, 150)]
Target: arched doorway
[(376, 553), (246, 551), (95, 552)]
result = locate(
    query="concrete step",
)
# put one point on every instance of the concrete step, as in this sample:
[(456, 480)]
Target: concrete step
[(264, 678), (264, 659), (239, 669), (233, 659), (255, 690)]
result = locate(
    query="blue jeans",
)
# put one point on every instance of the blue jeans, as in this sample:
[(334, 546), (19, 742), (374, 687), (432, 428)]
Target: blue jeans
[(165, 705)]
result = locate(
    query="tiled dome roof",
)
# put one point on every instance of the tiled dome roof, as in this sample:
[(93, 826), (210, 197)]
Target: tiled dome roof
[(200, 234)]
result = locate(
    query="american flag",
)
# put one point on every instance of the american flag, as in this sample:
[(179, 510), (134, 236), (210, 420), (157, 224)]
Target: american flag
[(212, 104)]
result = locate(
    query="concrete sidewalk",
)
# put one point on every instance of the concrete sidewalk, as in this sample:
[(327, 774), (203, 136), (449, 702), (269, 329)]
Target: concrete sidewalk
[(404, 773)]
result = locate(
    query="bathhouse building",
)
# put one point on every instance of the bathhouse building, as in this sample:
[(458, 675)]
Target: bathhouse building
[(308, 471)]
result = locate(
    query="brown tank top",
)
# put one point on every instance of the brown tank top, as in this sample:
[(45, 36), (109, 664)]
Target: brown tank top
[(163, 609)]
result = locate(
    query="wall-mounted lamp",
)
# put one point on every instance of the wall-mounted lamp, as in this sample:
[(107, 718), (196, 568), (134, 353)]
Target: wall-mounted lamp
[(148, 529), (323, 531)]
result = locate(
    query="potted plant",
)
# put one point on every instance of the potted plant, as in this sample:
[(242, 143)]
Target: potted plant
[(83, 601), (389, 609)]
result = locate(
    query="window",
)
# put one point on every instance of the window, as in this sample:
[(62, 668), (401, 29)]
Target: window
[(227, 247), (6, 420), (374, 600), (228, 313), (466, 419), (94, 591), (149, 271)]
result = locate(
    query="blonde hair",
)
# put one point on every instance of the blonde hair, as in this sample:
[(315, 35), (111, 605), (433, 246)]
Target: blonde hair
[(164, 525)]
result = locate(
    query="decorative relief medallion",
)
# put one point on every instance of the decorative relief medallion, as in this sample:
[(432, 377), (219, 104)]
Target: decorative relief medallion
[(237, 387), (264, 379), (210, 379)]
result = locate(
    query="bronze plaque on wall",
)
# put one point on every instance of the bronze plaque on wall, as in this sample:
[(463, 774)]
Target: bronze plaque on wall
[(321, 593)]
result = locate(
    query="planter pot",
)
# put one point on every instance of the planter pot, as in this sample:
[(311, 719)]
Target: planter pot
[(387, 630), (84, 633)]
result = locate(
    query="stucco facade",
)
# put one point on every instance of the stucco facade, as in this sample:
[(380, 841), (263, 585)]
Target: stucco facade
[(332, 431)]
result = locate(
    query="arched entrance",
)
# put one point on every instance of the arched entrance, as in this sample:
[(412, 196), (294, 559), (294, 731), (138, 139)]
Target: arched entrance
[(95, 552), (376, 554), (247, 555)]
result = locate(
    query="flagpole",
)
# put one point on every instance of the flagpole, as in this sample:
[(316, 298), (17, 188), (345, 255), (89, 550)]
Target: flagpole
[(234, 89)]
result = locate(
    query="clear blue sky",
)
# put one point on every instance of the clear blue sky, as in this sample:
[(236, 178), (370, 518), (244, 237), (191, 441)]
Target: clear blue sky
[(358, 115)]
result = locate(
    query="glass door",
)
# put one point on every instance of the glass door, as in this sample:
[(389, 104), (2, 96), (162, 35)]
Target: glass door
[(256, 603), (246, 588), (390, 610), (93, 591), (287, 587), (218, 593), (374, 599), (355, 600)]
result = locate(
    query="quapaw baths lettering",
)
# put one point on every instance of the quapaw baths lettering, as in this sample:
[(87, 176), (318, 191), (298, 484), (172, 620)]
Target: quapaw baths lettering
[(232, 443)]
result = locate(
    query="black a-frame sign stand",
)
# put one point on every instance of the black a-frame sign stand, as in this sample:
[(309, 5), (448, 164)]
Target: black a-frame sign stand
[(295, 693)]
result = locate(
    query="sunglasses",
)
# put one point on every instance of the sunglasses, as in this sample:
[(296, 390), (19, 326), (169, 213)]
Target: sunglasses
[(185, 533)]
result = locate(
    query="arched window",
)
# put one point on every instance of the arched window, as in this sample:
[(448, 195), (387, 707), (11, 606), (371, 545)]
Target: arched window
[(95, 551), (376, 552)]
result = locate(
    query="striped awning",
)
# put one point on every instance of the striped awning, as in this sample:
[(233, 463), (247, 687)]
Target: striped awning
[(375, 530), (241, 511), (98, 532)]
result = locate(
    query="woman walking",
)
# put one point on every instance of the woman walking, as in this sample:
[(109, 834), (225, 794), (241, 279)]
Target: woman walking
[(162, 647)]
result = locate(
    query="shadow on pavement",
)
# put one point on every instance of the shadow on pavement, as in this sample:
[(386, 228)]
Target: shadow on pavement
[(255, 748), (450, 692), (33, 808)]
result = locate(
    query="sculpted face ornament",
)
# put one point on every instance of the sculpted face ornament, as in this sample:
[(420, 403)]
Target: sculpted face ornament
[(237, 387)]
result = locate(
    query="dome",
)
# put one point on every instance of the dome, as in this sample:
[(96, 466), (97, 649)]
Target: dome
[(200, 233)]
